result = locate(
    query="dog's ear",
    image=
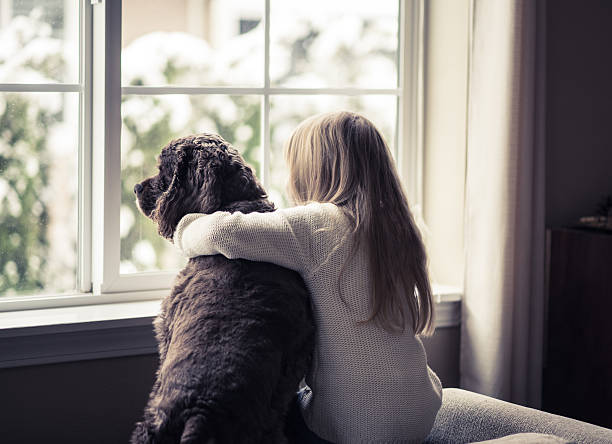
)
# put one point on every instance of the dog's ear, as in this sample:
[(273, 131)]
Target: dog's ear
[(171, 204), (208, 186), (242, 183), (195, 188)]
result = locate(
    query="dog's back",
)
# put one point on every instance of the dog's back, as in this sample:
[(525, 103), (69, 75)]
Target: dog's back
[(235, 339)]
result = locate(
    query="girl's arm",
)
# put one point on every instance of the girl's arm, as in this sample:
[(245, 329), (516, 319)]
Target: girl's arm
[(283, 237)]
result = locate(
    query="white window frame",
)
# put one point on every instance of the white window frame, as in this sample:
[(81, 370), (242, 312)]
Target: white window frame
[(83, 87), (99, 278)]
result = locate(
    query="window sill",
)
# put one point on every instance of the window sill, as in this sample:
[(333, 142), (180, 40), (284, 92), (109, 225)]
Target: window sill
[(46, 336)]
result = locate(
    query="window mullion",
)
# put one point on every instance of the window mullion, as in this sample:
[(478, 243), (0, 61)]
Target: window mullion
[(84, 280), (410, 138), (106, 138), (40, 87), (265, 151)]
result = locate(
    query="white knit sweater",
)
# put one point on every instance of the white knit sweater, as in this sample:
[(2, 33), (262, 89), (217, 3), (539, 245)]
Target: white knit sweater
[(368, 385)]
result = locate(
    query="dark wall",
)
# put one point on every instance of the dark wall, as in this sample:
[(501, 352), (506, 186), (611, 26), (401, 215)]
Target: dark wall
[(89, 402), (99, 401), (578, 108), (443, 355)]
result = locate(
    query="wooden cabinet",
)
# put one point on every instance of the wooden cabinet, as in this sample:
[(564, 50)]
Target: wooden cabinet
[(578, 352)]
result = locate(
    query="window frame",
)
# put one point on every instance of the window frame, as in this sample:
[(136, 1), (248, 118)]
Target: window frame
[(98, 278), (82, 87)]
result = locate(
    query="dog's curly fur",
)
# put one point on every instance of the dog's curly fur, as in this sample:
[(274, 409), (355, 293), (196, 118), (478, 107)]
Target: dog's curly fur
[(235, 337)]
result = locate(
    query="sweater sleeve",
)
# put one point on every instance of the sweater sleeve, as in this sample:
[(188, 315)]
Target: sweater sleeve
[(283, 237)]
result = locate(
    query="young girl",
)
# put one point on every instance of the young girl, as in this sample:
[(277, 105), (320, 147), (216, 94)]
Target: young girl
[(354, 241)]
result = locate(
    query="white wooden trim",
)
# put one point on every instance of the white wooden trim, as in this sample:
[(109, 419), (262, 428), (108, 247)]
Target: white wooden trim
[(64, 319), (52, 301), (228, 90), (84, 277), (399, 133), (267, 45), (152, 280), (40, 87), (418, 99), (106, 145), (410, 151), (403, 144), (265, 110), (265, 138)]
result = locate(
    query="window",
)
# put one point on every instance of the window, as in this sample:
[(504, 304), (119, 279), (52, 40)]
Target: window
[(90, 94), (41, 94)]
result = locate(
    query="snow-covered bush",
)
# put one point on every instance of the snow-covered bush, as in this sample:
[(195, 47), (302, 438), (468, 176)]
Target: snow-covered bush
[(28, 122), (306, 50)]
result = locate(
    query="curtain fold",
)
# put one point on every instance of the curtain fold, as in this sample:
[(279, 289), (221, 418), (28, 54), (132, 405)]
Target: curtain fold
[(503, 307)]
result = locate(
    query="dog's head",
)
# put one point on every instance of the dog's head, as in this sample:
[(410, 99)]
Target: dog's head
[(197, 174)]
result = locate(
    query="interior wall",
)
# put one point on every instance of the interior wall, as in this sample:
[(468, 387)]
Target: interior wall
[(92, 402), (578, 101), (443, 355), (99, 401)]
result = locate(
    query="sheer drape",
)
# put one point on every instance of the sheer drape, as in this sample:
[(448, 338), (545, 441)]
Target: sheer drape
[(502, 328)]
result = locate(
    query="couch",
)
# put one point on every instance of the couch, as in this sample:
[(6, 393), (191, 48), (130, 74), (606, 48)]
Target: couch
[(467, 417)]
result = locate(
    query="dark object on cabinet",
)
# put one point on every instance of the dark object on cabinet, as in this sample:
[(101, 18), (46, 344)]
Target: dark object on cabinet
[(578, 361)]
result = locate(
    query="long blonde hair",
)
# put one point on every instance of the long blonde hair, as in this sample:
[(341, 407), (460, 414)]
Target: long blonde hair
[(342, 158)]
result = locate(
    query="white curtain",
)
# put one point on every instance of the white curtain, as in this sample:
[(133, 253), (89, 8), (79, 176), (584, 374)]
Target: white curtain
[(502, 326)]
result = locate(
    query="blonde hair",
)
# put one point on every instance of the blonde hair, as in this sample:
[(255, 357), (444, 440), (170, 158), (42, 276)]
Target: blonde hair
[(342, 158)]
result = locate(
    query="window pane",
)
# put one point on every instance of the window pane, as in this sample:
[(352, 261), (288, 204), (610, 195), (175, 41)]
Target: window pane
[(149, 123), (38, 192), (340, 43), (194, 42), (39, 41), (287, 111)]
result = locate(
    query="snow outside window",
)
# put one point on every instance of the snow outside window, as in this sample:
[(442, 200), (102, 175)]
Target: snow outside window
[(40, 96), (90, 94)]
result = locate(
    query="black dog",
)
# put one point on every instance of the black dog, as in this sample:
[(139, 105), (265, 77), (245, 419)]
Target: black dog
[(235, 337)]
